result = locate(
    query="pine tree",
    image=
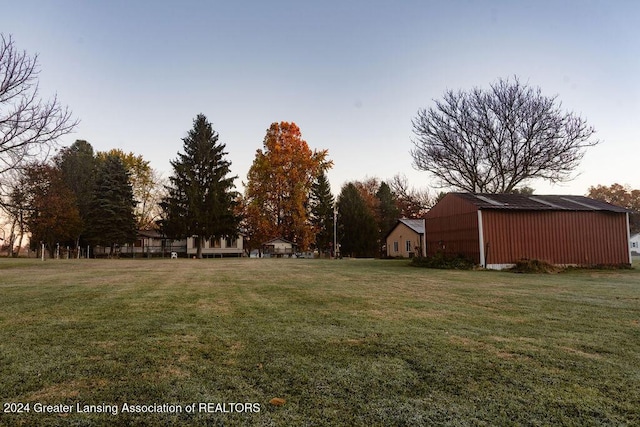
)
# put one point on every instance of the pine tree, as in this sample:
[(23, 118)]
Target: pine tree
[(388, 212), (145, 183), (78, 167), (111, 213), (200, 200), (357, 224), (322, 202)]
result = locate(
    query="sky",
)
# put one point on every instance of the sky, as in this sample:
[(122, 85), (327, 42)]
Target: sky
[(350, 74)]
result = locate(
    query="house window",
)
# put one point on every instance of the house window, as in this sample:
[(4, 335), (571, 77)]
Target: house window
[(230, 243), (395, 246), (408, 246), (634, 244)]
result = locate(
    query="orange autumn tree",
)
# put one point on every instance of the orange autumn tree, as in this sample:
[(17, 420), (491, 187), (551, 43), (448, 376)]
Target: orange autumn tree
[(279, 185), (620, 195)]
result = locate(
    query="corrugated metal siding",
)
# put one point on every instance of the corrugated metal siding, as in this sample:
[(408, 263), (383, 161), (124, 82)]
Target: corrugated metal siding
[(451, 204), (583, 238), (452, 227)]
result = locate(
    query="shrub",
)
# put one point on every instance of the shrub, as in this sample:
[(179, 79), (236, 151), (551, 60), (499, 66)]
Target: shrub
[(444, 261), (534, 266)]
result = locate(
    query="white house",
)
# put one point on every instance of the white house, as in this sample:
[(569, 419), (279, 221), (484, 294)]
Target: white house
[(151, 243), (634, 244), (226, 246), (148, 244), (278, 247)]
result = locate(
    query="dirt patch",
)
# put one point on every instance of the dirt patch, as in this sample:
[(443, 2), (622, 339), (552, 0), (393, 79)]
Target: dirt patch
[(218, 307), (357, 341), (491, 349), (66, 390), (506, 355), (581, 353)]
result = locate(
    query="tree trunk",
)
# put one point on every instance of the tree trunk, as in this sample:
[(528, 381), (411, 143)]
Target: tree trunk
[(199, 247), (19, 245), (12, 238)]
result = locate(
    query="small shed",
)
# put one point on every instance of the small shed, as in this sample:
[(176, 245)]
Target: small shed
[(278, 247), (497, 230), (406, 239)]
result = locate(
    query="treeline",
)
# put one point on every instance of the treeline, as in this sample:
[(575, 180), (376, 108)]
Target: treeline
[(287, 195), (82, 199)]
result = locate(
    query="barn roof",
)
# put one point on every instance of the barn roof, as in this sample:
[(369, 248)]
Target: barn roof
[(538, 202)]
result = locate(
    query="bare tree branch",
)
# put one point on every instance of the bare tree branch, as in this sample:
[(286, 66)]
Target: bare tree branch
[(29, 126), (411, 203), (495, 140)]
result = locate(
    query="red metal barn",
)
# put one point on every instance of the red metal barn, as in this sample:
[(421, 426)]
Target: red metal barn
[(496, 230)]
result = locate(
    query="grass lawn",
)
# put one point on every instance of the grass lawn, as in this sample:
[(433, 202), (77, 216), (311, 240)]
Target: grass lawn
[(349, 342)]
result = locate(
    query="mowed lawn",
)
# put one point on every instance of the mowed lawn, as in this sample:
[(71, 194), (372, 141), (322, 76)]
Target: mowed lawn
[(343, 342)]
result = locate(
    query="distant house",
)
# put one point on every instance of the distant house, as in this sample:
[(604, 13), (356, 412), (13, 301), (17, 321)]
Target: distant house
[(634, 244), (148, 240), (406, 239), (278, 247), (151, 243), (497, 230), (223, 247)]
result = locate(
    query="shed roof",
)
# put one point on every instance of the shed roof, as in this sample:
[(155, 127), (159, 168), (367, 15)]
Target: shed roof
[(278, 240), (538, 202), (416, 225)]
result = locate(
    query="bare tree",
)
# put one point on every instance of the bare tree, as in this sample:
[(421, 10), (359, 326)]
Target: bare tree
[(494, 140), (412, 203), (28, 125)]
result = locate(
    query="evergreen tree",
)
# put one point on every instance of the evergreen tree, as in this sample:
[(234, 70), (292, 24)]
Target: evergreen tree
[(322, 202), (111, 215), (78, 166), (200, 200), (357, 224), (145, 182), (388, 212)]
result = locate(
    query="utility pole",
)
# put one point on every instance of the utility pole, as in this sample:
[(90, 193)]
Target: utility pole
[(335, 231)]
